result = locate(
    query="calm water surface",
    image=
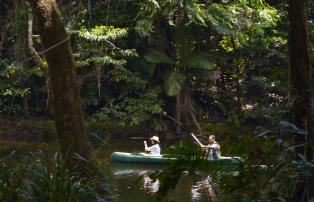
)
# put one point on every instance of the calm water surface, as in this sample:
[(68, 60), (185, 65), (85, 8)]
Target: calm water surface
[(130, 183)]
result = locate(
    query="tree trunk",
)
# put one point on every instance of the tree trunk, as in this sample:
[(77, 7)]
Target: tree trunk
[(300, 81), (300, 72), (25, 105), (40, 62), (50, 97), (31, 47), (178, 111), (69, 114)]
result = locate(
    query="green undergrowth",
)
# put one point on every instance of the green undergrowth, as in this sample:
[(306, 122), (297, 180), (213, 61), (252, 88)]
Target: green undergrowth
[(43, 177)]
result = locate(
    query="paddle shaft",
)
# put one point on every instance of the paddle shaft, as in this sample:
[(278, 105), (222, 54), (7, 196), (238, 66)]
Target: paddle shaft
[(195, 138)]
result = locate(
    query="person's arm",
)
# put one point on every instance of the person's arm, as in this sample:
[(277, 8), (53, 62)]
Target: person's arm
[(204, 146), (214, 146), (146, 147)]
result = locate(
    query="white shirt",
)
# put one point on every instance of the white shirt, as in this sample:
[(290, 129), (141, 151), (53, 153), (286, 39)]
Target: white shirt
[(154, 150), (211, 147)]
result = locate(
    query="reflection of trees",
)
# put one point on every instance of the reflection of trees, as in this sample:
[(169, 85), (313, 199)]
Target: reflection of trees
[(193, 188), (203, 186), (149, 184)]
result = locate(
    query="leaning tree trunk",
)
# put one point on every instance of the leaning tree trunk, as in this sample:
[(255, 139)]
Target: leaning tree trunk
[(300, 81), (69, 114), (40, 62)]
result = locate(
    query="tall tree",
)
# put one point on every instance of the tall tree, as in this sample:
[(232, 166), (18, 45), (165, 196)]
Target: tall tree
[(300, 72), (300, 81), (69, 114)]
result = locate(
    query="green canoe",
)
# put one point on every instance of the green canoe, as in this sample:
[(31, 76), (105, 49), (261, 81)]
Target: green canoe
[(135, 158)]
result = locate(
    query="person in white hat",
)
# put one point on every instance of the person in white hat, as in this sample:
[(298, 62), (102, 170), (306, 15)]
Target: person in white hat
[(155, 148)]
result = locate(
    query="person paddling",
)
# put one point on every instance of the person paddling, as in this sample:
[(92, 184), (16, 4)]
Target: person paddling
[(213, 148), (155, 148)]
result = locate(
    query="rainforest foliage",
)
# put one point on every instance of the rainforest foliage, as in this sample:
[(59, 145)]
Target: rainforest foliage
[(194, 61), (240, 68)]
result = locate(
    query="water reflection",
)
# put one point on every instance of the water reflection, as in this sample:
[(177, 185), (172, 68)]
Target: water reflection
[(149, 184), (193, 188), (203, 186), (143, 186), (132, 182)]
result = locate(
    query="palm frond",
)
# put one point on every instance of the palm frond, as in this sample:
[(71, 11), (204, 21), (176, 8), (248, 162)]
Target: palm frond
[(200, 61), (173, 83), (155, 56)]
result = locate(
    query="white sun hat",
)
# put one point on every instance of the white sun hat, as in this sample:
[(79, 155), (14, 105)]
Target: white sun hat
[(155, 138)]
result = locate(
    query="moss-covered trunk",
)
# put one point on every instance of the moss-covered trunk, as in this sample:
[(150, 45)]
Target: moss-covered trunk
[(69, 114)]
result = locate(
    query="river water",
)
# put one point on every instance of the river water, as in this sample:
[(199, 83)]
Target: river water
[(131, 183)]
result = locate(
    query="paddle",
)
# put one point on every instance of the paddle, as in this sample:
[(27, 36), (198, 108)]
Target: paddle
[(195, 138)]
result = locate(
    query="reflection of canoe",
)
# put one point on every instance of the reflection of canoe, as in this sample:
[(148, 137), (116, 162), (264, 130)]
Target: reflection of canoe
[(135, 158), (119, 169), (123, 157)]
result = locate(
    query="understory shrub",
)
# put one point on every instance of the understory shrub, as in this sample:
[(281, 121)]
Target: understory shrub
[(41, 178)]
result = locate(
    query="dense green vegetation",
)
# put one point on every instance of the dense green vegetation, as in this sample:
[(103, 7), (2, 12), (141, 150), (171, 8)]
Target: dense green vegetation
[(40, 177), (239, 68)]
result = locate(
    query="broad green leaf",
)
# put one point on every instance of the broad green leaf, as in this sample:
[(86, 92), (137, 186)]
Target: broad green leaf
[(173, 83), (200, 61), (158, 57)]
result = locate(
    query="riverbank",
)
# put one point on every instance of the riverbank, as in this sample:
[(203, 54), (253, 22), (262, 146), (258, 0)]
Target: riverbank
[(42, 129), (32, 129)]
